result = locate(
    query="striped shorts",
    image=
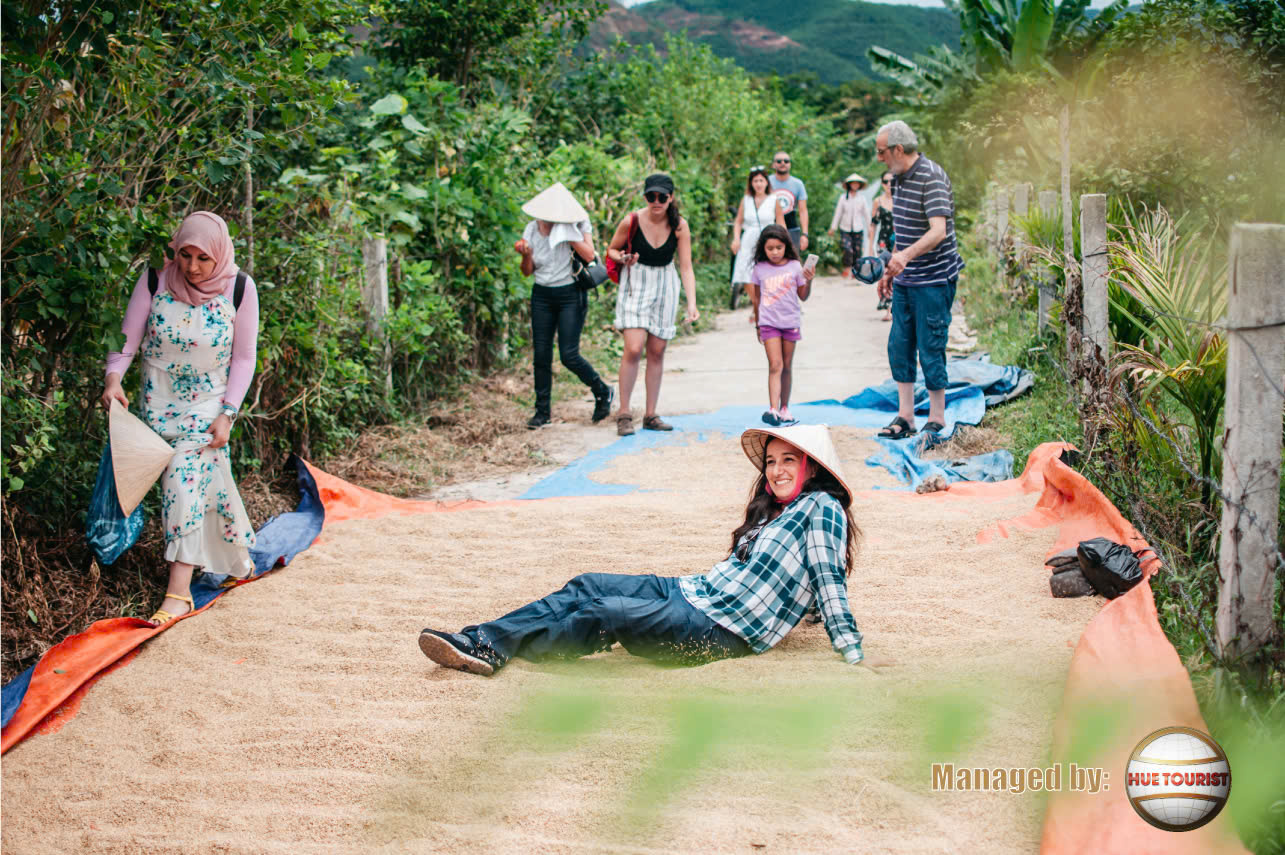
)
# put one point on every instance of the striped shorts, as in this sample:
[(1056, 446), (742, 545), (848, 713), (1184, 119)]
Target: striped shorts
[(648, 299)]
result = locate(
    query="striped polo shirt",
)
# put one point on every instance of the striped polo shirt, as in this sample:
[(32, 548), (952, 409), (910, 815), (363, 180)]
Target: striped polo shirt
[(924, 191)]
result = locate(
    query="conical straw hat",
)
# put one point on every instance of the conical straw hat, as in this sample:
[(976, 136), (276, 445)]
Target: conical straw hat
[(556, 205), (139, 456), (854, 177), (812, 440)]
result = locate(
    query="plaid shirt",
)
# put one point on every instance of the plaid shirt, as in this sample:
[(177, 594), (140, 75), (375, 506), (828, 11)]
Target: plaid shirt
[(794, 563)]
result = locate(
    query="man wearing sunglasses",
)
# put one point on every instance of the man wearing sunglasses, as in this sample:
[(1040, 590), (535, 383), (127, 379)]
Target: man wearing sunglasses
[(920, 276), (793, 198)]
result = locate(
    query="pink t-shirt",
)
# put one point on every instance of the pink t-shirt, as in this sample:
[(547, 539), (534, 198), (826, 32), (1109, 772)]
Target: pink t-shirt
[(245, 335), (779, 286)]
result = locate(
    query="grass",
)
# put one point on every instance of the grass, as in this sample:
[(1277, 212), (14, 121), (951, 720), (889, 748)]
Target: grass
[(1244, 706)]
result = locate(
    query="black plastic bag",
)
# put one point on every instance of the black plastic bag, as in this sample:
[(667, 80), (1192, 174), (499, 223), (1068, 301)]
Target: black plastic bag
[(1112, 569)]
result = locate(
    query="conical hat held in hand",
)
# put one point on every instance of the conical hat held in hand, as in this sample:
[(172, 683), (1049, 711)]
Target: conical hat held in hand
[(139, 456)]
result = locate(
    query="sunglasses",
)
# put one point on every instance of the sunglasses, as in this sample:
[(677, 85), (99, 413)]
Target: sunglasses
[(754, 169), (887, 181), (656, 197), (782, 160)]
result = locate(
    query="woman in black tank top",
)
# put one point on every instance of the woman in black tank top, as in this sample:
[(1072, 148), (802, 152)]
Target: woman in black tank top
[(653, 245), (654, 256)]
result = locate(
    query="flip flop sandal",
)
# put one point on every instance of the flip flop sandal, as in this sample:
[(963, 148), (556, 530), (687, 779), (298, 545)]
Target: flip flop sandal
[(161, 616), (898, 428)]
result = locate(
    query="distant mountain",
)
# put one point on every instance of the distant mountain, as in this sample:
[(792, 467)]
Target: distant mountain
[(828, 37)]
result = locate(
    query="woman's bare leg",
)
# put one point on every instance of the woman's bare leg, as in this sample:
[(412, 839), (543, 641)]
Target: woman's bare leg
[(655, 371), (635, 341)]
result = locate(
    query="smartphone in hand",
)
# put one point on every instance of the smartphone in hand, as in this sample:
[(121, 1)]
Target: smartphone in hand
[(811, 263)]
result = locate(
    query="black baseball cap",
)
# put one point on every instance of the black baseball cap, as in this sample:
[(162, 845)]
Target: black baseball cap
[(659, 181)]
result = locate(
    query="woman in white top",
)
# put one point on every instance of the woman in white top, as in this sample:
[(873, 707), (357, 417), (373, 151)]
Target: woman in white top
[(558, 306), (759, 207), (851, 218)]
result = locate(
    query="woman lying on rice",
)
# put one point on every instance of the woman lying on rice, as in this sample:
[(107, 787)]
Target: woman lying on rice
[(792, 554)]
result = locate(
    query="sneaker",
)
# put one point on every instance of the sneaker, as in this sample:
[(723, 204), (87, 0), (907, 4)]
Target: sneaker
[(539, 420), (452, 650), (602, 399), (771, 419), (786, 419), (624, 424)]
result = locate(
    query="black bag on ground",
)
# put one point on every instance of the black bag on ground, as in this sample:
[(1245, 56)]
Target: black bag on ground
[(1112, 569)]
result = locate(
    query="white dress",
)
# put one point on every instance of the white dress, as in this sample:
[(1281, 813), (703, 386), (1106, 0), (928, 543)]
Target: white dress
[(753, 222), (186, 352)]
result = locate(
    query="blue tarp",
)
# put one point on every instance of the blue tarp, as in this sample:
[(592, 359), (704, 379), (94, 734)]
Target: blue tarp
[(974, 384), (278, 541)]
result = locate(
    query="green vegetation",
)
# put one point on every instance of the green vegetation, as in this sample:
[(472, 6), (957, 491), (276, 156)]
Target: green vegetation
[(830, 37), (307, 144)]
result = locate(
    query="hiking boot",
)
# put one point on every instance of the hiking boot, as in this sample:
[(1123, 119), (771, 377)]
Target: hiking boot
[(453, 650), (602, 398), (539, 420), (625, 424), (655, 423)]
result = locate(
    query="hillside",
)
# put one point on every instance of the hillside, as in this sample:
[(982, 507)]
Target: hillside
[(828, 37)]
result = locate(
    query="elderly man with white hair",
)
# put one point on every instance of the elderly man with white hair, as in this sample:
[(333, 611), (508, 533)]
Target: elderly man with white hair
[(920, 277)]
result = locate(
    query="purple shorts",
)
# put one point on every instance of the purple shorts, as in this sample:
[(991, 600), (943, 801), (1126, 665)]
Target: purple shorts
[(766, 332)]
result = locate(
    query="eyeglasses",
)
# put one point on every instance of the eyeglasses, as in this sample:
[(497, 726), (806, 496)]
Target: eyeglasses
[(782, 160), (879, 151), (653, 196)]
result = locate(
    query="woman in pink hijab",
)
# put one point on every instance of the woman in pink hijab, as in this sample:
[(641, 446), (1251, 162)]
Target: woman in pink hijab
[(197, 336)]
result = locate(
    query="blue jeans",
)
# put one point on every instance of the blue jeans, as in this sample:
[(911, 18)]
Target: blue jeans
[(646, 614), (559, 310), (920, 323)]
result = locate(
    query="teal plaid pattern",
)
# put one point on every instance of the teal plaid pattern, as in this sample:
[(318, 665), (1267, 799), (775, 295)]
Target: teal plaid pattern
[(795, 563)]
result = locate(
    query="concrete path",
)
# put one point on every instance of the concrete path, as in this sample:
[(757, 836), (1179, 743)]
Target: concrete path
[(842, 352)]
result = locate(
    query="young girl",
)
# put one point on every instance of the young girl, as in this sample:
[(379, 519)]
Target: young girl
[(791, 554), (777, 285)]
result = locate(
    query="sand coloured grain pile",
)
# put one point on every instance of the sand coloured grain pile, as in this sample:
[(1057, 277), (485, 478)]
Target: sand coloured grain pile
[(298, 715)]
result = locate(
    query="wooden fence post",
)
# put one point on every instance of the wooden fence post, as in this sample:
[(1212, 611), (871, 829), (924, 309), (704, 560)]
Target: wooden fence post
[(1021, 207), (1001, 217), (1248, 552), (374, 293), (1048, 206), (1096, 330)]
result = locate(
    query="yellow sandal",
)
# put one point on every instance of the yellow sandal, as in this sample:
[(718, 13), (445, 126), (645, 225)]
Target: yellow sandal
[(161, 616)]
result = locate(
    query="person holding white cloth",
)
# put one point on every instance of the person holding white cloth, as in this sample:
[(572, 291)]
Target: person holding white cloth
[(852, 219), (558, 306)]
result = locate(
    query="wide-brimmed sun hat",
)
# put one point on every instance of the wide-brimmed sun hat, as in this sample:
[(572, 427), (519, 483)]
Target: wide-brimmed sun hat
[(139, 456), (812, 440), (556, 205), (855, 177)]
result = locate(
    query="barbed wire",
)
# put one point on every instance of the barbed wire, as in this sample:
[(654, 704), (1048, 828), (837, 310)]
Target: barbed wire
[(1139, 516)]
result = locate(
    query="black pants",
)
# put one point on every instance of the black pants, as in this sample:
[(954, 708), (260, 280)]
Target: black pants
[(558, 310)]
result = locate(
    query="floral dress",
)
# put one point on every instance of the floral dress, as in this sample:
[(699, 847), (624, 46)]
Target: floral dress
[(186, 352)]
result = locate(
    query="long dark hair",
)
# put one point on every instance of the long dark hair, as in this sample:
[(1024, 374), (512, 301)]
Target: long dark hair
[(749, 181), (671, 213), (763, 508), (779, 233)]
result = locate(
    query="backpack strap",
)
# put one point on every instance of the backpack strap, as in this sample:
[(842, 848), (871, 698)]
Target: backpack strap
[(238, 290), (153, 283)]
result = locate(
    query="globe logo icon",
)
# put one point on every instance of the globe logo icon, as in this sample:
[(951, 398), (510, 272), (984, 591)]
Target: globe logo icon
[(1178, 779)]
